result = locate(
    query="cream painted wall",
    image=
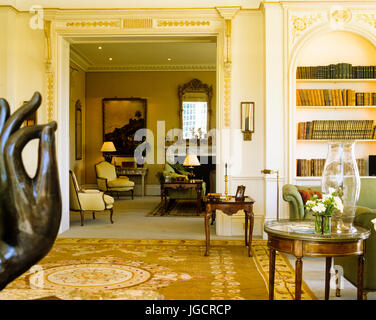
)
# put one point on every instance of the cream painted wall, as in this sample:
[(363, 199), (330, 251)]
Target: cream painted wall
[(21, 68), (77, 92), (248, 84), (161, 91)]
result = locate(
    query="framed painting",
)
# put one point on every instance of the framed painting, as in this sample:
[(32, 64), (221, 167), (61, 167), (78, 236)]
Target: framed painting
[(122, 117)]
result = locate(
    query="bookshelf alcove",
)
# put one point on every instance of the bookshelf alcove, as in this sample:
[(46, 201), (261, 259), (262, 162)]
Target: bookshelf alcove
[(333, 83)]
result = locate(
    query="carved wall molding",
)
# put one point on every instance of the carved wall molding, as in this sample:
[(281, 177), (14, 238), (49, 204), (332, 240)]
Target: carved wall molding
[(301, 22), (93, 24), (368, 19), (134, 23), (227, 13), (178, 23), (156, 67), (339, 15), (50, 96), (227, 95)]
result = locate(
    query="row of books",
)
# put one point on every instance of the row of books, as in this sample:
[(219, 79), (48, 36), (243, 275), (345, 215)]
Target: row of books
[(309, 167), (336, 71), (336, 129), (315, 167), (334, 97)]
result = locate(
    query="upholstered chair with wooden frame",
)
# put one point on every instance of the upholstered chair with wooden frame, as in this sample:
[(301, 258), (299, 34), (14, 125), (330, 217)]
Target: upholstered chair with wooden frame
[(109, 182), (81, 200)]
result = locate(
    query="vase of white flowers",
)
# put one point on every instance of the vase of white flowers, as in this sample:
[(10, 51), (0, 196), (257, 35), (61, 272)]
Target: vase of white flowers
[(323, 209)]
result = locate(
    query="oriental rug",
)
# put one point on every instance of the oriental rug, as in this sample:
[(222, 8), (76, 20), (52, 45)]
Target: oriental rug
[(179, 208), (99, 269)]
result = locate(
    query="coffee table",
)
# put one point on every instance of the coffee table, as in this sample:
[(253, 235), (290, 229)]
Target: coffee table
[(230, 207), (181, 185), (297, 237)]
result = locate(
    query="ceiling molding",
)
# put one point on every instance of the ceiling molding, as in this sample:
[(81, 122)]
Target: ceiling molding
[(78, 59), (155, 67)]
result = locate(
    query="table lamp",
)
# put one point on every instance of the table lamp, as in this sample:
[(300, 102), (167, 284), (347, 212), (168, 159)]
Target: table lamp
[(108, 146), (191, 161)]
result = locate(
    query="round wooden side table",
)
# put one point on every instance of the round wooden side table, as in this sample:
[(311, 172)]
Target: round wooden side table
[(297, 237)]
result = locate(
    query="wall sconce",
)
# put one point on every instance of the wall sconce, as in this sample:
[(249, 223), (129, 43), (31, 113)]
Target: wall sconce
[(247, 110), (268, 171)]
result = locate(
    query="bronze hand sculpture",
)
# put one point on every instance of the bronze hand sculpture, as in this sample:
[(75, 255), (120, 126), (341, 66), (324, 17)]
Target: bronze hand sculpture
[(30, 208)]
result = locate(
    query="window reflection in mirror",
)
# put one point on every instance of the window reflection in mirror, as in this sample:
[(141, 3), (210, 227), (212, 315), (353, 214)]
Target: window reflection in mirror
[(195, 109), (195, 119)]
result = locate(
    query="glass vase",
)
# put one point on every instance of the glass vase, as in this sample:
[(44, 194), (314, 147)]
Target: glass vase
[(341, 173), (322, 224)]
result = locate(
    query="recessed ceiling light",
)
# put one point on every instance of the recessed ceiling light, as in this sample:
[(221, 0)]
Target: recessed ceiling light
[(169, 59), (100, 48), (110, 59)]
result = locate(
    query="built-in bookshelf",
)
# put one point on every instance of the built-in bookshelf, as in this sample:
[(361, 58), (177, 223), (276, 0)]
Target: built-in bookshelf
[(332, 109), (334, 99)]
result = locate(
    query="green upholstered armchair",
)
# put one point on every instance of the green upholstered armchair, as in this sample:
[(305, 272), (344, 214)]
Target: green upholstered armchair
[(366, 211), (178, 170)]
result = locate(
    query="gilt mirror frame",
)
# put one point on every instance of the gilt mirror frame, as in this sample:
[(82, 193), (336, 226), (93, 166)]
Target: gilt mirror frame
[(195, 86)]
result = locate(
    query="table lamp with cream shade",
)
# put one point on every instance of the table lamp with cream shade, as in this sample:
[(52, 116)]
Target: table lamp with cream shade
[(191, 161), (107, 148)]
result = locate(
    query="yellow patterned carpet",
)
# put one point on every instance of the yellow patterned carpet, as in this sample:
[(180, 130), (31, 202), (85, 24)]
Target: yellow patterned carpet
[(96, 269)]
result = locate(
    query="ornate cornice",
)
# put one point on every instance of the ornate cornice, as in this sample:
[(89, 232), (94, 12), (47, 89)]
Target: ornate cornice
[(149, 67)]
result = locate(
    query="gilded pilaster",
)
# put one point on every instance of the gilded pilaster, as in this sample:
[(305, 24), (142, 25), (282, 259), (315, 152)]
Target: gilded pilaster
[(228, 13)]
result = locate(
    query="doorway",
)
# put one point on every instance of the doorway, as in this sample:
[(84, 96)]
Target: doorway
[(111, 69)]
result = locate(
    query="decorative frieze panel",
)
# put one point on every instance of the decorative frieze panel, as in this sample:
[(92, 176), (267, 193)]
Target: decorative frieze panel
[(172, 23), (301, 22), (336, 17), (366, 19), (339, 16), (130, 23), (89, 24)]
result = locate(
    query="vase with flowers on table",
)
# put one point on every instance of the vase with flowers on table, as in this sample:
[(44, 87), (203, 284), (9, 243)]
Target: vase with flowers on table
[(323, 208)]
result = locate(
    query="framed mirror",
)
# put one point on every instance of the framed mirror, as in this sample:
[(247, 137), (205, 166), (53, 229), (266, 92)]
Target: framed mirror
[(247, 110), (195, 109)]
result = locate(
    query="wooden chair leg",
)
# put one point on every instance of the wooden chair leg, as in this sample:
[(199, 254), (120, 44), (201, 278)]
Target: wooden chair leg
[(132, 193), (111, 213), (93, 215), (82, 217)]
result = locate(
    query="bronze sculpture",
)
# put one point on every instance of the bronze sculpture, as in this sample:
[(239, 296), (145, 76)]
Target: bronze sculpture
[(30, 208)]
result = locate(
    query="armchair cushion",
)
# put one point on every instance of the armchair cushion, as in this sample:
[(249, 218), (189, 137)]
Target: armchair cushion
[(120, 183)]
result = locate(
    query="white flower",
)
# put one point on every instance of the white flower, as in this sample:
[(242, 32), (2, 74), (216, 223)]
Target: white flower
[(326, 196), (319, 208), (374, 223), (331, 191), (339, 203), (310, 203)]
